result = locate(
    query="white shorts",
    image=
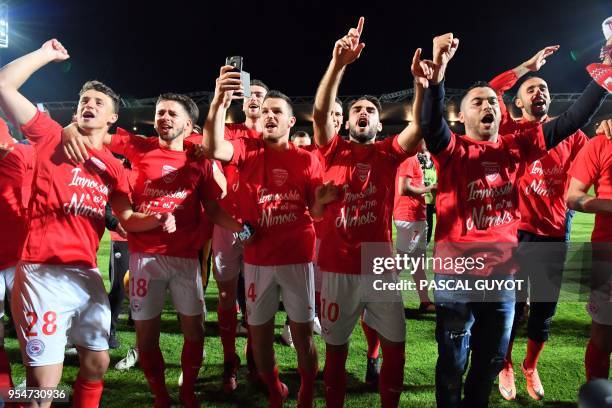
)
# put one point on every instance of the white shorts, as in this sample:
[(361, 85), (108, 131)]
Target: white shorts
[(341, 306), (227, 253), (7, 277), (264, 285), (53, 304), (151, 275), (411, 236)]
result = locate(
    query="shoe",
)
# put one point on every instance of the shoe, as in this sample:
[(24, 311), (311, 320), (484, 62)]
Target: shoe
[(534, 385), (129, 361), (230, 371), (316, 326), (113, 341), (427, 307), (286, 338), (507, 385), (373, 371), (162, 403)]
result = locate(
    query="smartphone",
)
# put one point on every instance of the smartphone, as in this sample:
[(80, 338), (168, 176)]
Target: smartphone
[(237, 62)]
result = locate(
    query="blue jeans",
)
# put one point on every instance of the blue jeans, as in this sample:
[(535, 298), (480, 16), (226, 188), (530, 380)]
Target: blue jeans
[(480, 327)]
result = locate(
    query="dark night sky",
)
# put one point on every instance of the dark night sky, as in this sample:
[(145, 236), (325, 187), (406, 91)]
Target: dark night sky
[(144, 48)]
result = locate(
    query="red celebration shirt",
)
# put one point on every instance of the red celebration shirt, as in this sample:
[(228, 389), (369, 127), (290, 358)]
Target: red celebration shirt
[(593, 166), (364, 174), (166, 181), (66, 214), (409, 207), (276, 190), (477, 200)]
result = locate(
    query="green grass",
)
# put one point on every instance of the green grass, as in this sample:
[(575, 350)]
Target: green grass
[(561, 366)]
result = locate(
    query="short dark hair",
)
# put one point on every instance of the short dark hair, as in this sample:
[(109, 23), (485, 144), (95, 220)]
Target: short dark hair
[(257, 82), (369, 98), (339, 102), (279, 95), (525, 79), (105, 89), (477, 84), (188, 104), (299, 133)]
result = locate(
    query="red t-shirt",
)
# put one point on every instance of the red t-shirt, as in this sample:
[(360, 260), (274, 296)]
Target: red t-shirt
[(477, 200), (593, 166), (67, 205), (166, 181), (364, 174), (276, 190), (408, 207), (543, 184), (542, 189), (16, 171)]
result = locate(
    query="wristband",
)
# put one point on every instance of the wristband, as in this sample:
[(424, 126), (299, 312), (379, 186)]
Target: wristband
[(246, 233)]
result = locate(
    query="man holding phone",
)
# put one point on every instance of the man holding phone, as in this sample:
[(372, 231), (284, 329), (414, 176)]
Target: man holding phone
[(281, 188)]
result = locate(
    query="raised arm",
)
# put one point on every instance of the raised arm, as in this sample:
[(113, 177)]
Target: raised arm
[(346, 50), (138, 222), (411, 136), (13, 76), (506, 80), (215, 145), (435, 130)]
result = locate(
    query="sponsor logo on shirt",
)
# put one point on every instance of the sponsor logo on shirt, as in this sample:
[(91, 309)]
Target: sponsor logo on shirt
[(35, 348), (363, 171), (491, 170), (279, 176), (169, 173)]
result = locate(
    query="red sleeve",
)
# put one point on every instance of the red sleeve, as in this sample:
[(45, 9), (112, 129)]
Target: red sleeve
[(397, 153), (123, 185), (208, 187), (500, 84), (240, 150), (586, 166), (42, 130), (414, 169), (579, 140), (126, 144), (5, 135)]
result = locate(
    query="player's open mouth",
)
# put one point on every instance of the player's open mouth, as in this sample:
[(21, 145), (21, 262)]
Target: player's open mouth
[(253, 106), (539, 103), (270, 125), (88, 115), (363, 122), (488, 118)]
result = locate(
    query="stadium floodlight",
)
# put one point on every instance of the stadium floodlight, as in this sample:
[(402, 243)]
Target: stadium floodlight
[(4, 26)]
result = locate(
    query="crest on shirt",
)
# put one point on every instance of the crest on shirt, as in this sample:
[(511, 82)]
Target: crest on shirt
[(363, 171), (98, 164), (491, 170), (279, 176), (169, 173)]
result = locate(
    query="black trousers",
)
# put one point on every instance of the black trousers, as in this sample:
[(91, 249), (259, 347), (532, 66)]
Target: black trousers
[(118, 264)]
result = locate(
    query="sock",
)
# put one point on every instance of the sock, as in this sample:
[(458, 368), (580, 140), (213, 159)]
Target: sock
[(372, 339), (275, 387), (334, 376), (227, 331), (191, 361), (5, 370), (391, 375), (306, 393), (596, 362), (87, 393), (534, 349), (508, 360), (152, 364), (249, 353)]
